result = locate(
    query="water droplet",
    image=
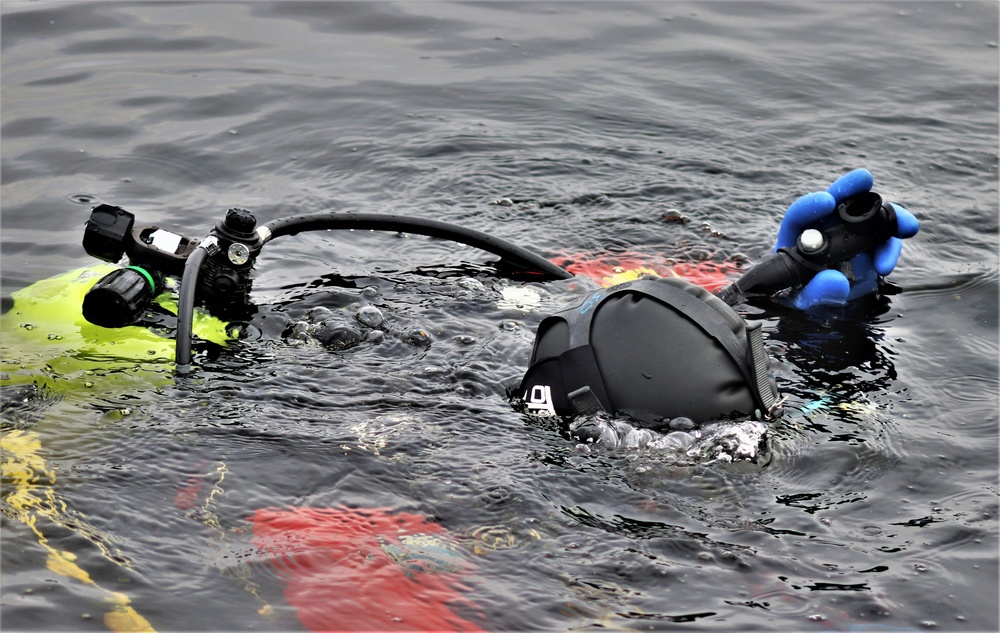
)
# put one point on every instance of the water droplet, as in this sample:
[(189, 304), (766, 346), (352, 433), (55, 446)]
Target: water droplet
[(509, 325), (816, 617), (55, 337), (88, 384), (28, 326)]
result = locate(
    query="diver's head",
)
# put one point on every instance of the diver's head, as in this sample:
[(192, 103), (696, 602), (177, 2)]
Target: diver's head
[(654, 349)]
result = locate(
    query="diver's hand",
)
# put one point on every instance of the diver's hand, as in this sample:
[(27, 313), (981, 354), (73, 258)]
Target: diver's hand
[(832, 287)]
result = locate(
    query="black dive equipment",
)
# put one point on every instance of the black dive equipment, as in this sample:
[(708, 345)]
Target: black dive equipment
[(860, 223), (655, 349), (121, 296), (216, 271)]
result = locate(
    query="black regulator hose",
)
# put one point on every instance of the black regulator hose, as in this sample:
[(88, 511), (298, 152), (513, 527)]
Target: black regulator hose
[(513, 254), (185, 303), (521, 258)]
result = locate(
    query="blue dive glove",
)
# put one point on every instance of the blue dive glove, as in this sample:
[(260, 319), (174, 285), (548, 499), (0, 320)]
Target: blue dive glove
[(832, 287)]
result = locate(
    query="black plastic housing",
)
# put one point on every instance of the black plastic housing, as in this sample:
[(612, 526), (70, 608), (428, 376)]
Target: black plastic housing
[(108, 232), (120, 297)]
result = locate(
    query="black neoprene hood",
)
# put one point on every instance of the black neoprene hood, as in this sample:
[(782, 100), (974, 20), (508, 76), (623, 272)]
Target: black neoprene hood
[(655, 349)]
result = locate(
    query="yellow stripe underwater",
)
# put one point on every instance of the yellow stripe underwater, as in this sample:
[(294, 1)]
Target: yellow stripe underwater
[(30, 498)]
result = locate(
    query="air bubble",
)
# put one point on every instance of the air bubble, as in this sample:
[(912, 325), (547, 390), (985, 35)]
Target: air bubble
[(417, 336), (370, 316), (469, 283), (682, 424)]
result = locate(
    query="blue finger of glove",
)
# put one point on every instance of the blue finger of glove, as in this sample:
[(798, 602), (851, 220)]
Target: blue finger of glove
[(907, 224), (827, 288), (801, 214), (887, 254), (865, 277), (851, 184)]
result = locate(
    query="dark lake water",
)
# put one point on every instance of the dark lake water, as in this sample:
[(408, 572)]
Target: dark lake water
[(129, 498)]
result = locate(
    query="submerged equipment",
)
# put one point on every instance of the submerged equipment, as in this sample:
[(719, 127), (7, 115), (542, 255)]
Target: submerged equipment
[(655, 349), (216, 270), (860, 223), (366, 569)]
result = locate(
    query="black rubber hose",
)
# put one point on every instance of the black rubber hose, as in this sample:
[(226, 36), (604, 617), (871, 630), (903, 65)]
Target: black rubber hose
[(520, 257), (185, 309), (773, 273)]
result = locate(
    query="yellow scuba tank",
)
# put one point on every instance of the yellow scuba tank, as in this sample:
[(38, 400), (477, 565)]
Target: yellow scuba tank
[(45, 339)]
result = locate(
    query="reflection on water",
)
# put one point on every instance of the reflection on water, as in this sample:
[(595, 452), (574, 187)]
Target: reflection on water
[(369, 388)]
